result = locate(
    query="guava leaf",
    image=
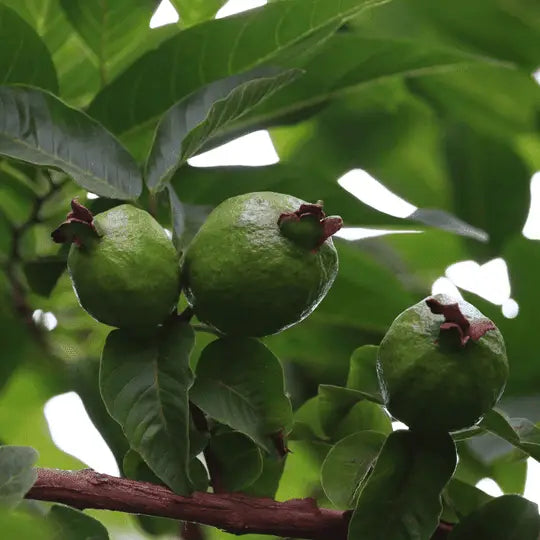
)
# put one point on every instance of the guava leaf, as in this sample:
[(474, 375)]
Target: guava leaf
[(401, 499), (42, 274), (70, 524), (464, 498), (346, 466), (17, 473), (239, 460), (21, 47), (343, 411), (187, 125), (519, 432), (214, 50), (509, 517), (363, 373), (40, 129), (239, 382), (144, 383)]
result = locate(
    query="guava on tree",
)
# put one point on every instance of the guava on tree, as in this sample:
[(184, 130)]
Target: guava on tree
[(124, 269), (442, 365), (260, 263)]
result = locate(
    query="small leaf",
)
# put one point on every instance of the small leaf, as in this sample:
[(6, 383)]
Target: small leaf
[(71, 524), (42, 274), (268, 482), (346, 466), (21, 525), (187, 126), (144, 383), (464, 498), (38, 128), (401, 499), (196, 11), (238, 458), (17, 473), (239, 382), (344, 411), (509, 517), (24, 58), (363, 373)]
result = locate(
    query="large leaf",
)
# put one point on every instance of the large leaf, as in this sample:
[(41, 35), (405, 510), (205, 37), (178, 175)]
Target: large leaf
[(212, 51), (401, 499), (186, 126), (239, 382), (347, 465), (24, 58), (144, 383), (70, 524), (17, 473), (23, 525), (38, 128), (116, 32), (509, 517)]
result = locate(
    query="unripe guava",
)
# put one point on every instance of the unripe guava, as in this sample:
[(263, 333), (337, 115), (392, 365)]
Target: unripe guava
[(124, 269), (442, 365), (260, 263)]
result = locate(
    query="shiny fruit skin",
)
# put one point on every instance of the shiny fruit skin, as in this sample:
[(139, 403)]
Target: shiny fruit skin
[(245, 278), (129, 276), (432, 386)]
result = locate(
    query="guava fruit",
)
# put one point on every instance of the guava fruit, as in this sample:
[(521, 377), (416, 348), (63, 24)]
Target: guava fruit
[(124, 269), (260, 263), (442, 365)]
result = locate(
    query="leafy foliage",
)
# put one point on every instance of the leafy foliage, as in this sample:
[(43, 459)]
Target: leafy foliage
[(436, 100)]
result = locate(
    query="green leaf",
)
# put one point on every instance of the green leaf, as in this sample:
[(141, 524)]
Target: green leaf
[(347, 465), (239, 382), (464, 498), (71, 524), (529, 441), (401, 499), (212, 51), (24, 58), (344, 411), (239, 460), (363, 373), (144, 382), (40, 129), (17, 473), (116, 32), (509, 517), (42, 274), (267, 483), (196, 11), (23, 525), (185, 127)]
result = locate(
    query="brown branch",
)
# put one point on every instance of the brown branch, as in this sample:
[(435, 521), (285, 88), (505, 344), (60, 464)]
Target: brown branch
[(233, 512)]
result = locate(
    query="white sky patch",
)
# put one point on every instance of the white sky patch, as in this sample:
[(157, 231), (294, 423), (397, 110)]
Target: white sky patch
[(489, 280), (254, 150), (371, 192), (45, 319), (532, 483), (536, 76), (444, 286), (164, 14), (510, 309), (489, 486), (91, 196), (73, 432), (398, 425), (531, 229), (359, 233), (237, 6)]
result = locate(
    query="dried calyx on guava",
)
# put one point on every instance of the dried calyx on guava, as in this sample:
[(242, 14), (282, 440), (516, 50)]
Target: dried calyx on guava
[(124, 269), (442, 365), (260, 263)]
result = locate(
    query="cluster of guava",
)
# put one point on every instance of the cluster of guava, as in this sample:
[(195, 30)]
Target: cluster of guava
[(259, 264)]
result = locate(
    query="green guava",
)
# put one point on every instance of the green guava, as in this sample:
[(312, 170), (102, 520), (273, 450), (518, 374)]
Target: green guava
[(260, 263), (442, 365), (124, 269)]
